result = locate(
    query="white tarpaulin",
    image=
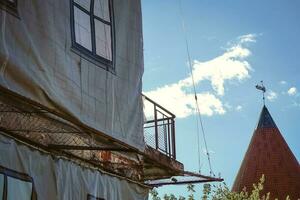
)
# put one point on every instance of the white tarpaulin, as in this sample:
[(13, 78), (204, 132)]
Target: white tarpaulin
[(37, 61), (59, 179)]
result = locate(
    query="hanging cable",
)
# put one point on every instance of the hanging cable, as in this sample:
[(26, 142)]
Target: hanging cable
[(195, 96)]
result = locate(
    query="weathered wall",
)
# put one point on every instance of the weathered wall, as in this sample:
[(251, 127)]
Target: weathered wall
[(36, 61)]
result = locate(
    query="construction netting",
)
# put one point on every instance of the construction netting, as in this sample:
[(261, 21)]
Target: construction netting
[(40, 60), (42, 128)]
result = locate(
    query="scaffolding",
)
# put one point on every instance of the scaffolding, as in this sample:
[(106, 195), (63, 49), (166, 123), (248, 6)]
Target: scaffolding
[(38, 126)]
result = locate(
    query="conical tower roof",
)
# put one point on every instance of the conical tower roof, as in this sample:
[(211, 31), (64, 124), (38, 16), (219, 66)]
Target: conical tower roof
[(269, 154)]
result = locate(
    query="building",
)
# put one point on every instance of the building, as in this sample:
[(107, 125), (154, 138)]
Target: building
[(71, 110), (269, 154)]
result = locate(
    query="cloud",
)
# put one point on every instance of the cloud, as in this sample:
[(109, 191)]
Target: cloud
[(296, 104), (238, 108), (292, 91), (271, 95), (282, 82), (231, 65), (182, 104), (248, 38)]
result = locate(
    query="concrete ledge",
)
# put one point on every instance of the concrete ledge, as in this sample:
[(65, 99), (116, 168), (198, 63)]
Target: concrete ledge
[(158, 166)]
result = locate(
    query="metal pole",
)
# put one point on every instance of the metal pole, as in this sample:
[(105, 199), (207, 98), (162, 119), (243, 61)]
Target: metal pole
[(156, 128), (165, 136), (169, 141), (173, 139)]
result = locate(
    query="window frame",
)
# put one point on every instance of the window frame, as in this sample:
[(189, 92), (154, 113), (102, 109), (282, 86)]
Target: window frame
[(92, 56), (16, 175), (11, 8)]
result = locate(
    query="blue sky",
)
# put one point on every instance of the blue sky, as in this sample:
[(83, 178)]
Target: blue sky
[(233, 45)]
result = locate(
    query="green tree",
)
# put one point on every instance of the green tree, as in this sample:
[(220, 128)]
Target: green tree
[(220, 192)]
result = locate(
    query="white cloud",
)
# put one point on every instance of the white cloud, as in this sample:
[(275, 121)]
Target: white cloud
[(282, 82), (175, 99), (296, 104), (248, 38), (231, 65), (292, 91), (271, 95), (239, 108)]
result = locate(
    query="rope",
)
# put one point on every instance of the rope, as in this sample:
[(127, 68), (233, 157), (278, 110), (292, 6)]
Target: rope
[(195, 96)]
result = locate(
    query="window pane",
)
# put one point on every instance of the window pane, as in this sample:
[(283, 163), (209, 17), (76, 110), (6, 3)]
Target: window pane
[(18, 189), (103, 40), (1, 185), (101, 9), (82, 28), (85, 4)]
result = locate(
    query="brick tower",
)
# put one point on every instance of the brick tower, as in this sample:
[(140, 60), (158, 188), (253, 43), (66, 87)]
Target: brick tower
[(269, 154)]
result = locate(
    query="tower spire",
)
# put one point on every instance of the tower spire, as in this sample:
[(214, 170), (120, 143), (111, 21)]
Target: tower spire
[(265, 119), (269, 154), (263, 89)]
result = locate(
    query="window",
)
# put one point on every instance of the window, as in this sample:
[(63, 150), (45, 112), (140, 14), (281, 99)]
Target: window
[(10, 6), (91, 197), (14, 185), (92, 29)]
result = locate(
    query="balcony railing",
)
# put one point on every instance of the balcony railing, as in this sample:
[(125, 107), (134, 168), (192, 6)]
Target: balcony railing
[(159, 128)]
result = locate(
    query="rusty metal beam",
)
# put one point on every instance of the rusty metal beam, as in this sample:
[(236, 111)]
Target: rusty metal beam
[(92, 148), (186, 182)]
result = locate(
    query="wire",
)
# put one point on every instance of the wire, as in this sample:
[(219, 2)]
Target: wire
[(195, 96)]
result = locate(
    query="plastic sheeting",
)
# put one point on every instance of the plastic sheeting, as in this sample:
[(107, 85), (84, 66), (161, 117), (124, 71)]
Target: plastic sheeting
[(1, 184), (59, 179), (17, 188), (36, 61)]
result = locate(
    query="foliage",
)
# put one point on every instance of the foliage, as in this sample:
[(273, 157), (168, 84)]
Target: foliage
[(219, 192)]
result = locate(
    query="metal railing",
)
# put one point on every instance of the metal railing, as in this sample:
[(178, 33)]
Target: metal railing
[(159, 128)]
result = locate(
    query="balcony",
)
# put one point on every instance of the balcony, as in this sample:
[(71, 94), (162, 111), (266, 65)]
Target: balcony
[(159, 134), (159, 128)]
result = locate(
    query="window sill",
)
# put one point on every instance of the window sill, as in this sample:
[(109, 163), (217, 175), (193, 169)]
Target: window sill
[(97, 61)]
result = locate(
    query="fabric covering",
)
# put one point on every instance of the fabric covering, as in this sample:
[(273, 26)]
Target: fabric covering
[(37, 61), (1, 184), (18, 189), (59, 179)]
